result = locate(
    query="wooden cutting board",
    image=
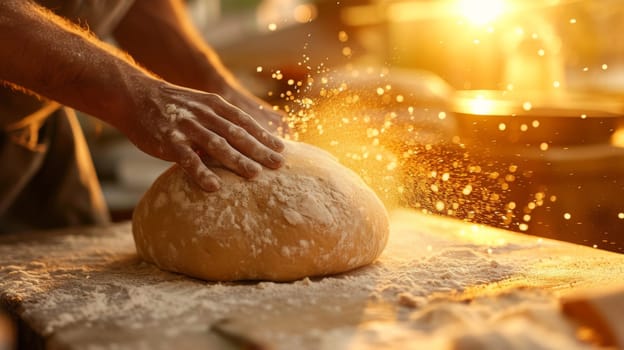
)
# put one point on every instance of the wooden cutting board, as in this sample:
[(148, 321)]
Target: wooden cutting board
[(440, 283)]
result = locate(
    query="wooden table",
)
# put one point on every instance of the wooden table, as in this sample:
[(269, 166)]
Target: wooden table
[(440, 283)]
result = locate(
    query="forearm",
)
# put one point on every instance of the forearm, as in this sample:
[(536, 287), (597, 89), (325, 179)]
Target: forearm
[(159, 35), (44, 54)]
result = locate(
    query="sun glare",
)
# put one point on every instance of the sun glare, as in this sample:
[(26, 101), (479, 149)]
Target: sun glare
[(481, 105), (481, 11)]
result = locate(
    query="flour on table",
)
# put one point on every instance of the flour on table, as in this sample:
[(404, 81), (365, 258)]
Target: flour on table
[(103, 284)]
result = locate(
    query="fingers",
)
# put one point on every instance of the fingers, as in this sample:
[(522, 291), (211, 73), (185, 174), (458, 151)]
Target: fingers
[(238, 137), (192, 164), (242, 119), (251, 147), (256, 130), (223, 134), (219, 149)]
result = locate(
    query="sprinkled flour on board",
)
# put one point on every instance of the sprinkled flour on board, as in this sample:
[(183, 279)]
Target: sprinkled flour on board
[(410, 297)]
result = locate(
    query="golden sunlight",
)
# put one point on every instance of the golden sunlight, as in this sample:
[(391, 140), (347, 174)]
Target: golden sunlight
[(481, 11), (481, 105)]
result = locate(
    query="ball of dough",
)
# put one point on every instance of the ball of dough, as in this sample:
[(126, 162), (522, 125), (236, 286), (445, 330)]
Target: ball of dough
[(312, 217)]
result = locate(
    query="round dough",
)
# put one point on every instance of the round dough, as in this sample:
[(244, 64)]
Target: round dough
[(311, 217)]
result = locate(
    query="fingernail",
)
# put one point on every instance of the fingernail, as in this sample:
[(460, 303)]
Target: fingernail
[(211, 185), (278, 144), (276, 158), (252, 168)]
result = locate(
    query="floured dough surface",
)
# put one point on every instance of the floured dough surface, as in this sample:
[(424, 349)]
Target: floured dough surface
[(311, 217)]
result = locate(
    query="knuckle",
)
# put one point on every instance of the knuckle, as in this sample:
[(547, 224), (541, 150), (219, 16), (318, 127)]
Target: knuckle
[(218, 142), (212, 96), (176, 136), (232, 157), (237, 131), (186, 122), (186, 162), (245, 119), (214, 99)]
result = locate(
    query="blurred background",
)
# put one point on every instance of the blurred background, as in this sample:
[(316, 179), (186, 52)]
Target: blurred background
[(499, 112)]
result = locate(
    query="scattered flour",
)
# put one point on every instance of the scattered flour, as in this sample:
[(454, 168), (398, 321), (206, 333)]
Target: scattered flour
[(406, 299), (178, 136), (292, 216), (301, 200), (175, 114)]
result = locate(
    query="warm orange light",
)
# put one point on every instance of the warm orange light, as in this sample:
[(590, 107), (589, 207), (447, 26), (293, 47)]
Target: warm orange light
[(617, 139), (481, 11), (305, 13), (481, 105)]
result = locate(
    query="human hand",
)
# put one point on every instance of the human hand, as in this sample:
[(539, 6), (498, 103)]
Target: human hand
[(258, 109), (193, 128)]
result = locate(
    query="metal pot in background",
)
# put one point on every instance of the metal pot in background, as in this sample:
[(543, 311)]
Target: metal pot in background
[(570, 167)]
